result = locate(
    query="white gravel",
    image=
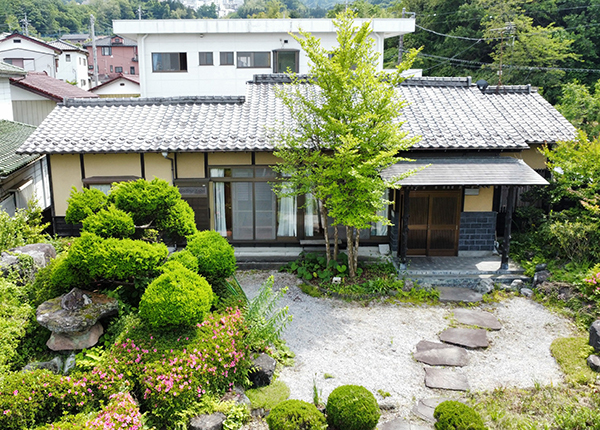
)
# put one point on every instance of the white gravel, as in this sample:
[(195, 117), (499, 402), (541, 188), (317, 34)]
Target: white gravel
[(372, 345)]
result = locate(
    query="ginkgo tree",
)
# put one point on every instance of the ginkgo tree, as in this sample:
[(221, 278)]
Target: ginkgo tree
[(345, 129)]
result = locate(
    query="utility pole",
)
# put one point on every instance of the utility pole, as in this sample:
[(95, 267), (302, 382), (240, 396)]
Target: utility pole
[(26, 23), (140, 12), (94, 53), (401, 41)]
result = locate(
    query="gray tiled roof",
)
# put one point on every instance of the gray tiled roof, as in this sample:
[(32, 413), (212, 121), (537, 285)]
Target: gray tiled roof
[(65, 46), (473, 171), (450, 115), (12, 135), (10, 70)]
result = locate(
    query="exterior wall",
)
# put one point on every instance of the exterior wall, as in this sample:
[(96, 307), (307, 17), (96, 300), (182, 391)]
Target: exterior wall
[(39, 188), (37, 58), (190, 165), (158, 166), (32, 112), (122, 56), (118, 87), (477, 232), (112, 165), (74, 70), (66, 173), (6, 109), (532, 157), (266, 158), (483, 202), (229, 159)]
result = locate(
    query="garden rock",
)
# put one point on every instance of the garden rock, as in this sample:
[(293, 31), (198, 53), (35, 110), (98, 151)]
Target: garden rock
[(541, 267), (445, 379), (516, 285), (55, 366), (69, 364), (595, 335), (425, 408), (237, 395), (80, 311), (456, 294), (594, 362), (207, 422), (408, 285), (41, 253), (73, 341), (262, 370), (485, 286), (477, 318), (540, 277), (526, 292), (439, 354), (467, 337)]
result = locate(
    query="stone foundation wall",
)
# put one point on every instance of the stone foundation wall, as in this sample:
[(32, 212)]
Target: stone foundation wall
[(477, 231)]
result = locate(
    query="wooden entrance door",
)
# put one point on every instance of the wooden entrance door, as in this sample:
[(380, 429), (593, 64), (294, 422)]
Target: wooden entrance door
[(433, 223)]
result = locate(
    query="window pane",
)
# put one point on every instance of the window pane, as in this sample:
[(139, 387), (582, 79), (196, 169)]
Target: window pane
[(244, 59), (206, 58), (105, 188), (169, 62), (286, 60), (286, 217), (226, 59), (264, 172), (262, 59), (242, 211), (265, 211), (242, 172)]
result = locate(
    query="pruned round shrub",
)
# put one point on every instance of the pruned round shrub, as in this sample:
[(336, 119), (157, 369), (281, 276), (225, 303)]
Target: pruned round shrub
[(186, 258), (216, 260), (178, 221), (296, 415), (83, 204), (178, 297), (110, 222), (452, 415), (352, 407)]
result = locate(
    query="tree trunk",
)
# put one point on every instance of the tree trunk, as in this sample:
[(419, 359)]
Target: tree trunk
[(350, 247), (356, 240), (323, 212), (336, 236)]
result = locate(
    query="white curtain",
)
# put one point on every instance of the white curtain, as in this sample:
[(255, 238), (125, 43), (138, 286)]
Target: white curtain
[(286, 216), (379, 229), (310, 215), (220, 220)]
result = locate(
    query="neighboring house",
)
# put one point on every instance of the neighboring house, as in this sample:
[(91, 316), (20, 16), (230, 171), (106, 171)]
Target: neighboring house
[(119, 87), (478, 145), (72, 64), (29, 53), (217, 57), (21, 176), (116, 54), (77, 39), (7, 71), (34, 96)]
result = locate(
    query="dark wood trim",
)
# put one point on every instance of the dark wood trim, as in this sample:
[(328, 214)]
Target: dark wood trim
[(96, 180), (142, 166), (82, 166), (206, 171), (405, 216), (175, 173), (253, 158), (52, 200), (510, 205)]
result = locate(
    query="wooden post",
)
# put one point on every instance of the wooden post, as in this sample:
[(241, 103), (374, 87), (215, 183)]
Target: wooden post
[(510, 206), (404, 238)]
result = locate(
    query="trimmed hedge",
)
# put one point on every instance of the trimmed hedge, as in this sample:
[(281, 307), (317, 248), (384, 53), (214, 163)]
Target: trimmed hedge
[(216, 259), (352, 407), (186, 258), (178, 297), (452, 415), (83, 204), (296, 415), (110, 222)]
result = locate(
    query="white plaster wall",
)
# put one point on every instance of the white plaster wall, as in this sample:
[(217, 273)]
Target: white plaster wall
[(6, 111), (120, 86), (74, 70), (43, 58), (19, 94)]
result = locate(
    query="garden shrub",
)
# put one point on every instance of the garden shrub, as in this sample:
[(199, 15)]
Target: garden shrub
[(179, 221), (216, 259), (296, 415), (178, 297), (57, 278), (452, 415), (83, 204), (24, 227), (14, 318), (110, 222), (352, 407), (186, 258)]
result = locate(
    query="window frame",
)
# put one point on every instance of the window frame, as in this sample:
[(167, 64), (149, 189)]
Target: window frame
[(252, 55), (232, 53), (181, 56), (68, 58), (117, 69), (106, 51), (204, 55), (297, 59)]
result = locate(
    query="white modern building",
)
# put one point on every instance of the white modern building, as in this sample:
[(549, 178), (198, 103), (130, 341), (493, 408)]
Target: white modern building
[(217, 57), (29, 53), (72, 64), (7, 71)]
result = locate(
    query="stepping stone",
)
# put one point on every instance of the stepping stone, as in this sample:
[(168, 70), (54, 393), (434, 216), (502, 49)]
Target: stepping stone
[(455, 294), (402, 424), (424, 408), (477, 318), (445, 379), (440, 354), (467, 337)]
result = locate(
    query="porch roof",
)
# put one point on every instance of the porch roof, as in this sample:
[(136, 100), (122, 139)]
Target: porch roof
[(465, 171)]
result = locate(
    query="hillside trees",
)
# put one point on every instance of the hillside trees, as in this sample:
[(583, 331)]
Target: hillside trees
[(344, 132)]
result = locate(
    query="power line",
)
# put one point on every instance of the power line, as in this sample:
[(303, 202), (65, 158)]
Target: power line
[(528, 11)]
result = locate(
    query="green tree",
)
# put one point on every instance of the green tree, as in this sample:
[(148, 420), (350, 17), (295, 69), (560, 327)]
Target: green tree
[(581, 107), (344, 131)]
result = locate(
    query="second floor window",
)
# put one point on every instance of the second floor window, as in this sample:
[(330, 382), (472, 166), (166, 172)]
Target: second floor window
[(118, 69), (132, 70), (68, 57), (205, 58), (106, 50), (253, 60), (169, 62), (226, 59)]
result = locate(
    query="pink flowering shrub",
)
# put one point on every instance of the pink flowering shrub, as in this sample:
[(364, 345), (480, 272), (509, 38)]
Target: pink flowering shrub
[(591, 284)]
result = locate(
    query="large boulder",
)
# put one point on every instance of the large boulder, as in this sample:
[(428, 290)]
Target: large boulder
[(594, 362), (262, 370), (207, 422), (76, 311), (540, 277), (72, 341), (55, 366), (41, 253), (595, 335)]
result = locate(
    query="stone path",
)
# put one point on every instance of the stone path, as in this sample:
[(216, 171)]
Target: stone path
[(444, 358)]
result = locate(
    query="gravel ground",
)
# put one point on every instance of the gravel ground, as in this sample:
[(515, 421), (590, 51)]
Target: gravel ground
[(372, 345)]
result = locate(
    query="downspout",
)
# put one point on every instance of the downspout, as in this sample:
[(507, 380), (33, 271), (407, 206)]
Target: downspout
[(166, 155), (142, 63)]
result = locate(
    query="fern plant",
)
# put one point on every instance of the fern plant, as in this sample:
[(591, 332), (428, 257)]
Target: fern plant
[(264, 320)]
